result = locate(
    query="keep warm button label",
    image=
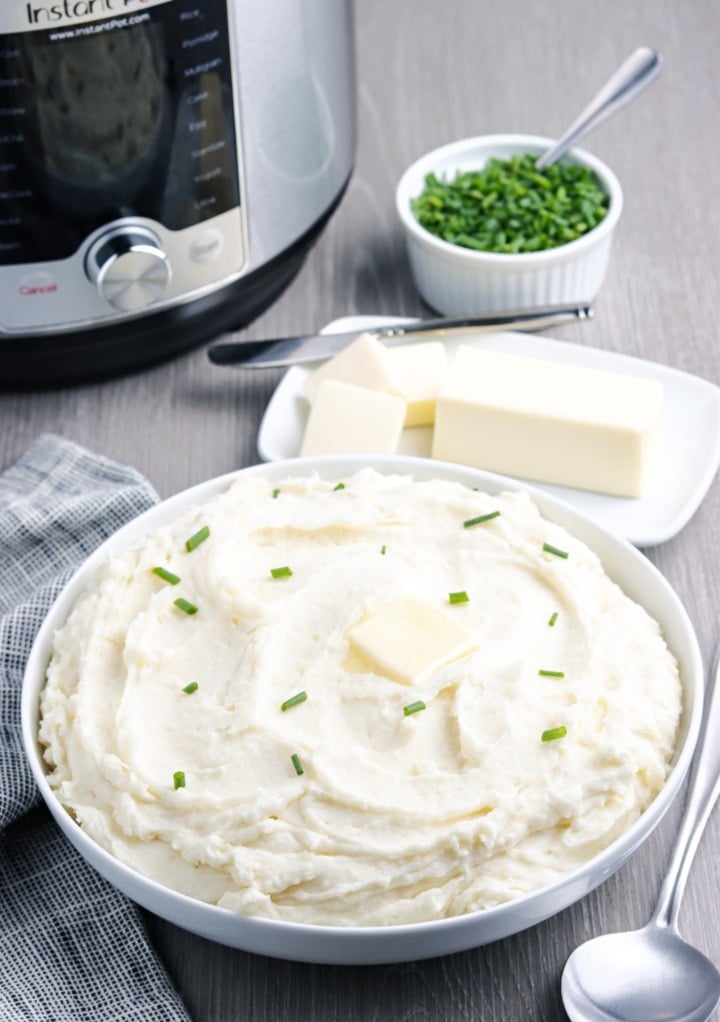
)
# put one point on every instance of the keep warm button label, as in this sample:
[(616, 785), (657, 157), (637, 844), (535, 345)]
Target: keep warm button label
[(37, 284)]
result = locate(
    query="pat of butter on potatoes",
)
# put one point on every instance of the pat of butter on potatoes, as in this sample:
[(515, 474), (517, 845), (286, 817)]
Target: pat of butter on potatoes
[(410, 639), (549, 421)]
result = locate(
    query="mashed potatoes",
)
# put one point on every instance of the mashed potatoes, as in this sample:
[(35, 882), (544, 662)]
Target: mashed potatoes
[(219, 726)]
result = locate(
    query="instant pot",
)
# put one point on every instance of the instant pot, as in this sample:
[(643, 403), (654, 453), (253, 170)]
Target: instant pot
[(164, 167)]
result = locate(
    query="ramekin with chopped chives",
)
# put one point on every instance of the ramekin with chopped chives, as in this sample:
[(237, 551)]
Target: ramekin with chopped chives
[(487, 233)]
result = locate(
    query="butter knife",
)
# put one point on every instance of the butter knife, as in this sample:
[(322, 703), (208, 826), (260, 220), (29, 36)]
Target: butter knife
[(286, 351)]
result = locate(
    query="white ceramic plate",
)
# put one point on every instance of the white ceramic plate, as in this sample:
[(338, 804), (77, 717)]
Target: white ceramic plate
[(374, 945), (689, 457)]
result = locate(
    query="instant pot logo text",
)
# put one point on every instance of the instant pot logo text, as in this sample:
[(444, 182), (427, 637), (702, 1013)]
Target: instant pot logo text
[(70, 10)]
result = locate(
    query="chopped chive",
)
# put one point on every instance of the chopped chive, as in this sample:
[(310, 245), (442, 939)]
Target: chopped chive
[(192, 687), (414, 707), (461, 597), (552, 674), (200, 536), (509, 207), (185, 606), (340, 486), (383, 549), (550, 549), (552, 733), (300, 697), (179, 779), (283, 572), (166, 576), (276, 493), (553, 618), (481, 518), (297, 764)]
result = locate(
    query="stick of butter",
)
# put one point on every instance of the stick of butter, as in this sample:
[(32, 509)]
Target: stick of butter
[(345, 419), (417, 372), (549, 421)]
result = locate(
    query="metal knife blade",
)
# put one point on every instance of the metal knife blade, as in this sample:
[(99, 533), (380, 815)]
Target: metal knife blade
[(286, 351)]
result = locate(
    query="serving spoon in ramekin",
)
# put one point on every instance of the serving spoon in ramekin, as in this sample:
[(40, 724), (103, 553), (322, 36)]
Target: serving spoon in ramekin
[(652, 974), (633, 75)]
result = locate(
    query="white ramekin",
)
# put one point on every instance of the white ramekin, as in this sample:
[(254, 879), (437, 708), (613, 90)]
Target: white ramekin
[(460, 281)]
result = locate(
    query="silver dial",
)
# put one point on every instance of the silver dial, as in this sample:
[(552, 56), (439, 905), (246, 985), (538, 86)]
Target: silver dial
[(129, 267)]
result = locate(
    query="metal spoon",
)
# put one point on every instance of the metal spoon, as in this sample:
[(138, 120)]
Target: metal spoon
[(630, 78), (652, 974)]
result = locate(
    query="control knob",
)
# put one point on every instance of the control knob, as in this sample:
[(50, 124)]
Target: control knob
[(129, 267)]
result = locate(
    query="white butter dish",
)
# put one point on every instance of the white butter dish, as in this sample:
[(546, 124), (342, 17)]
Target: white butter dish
[(689, 453)]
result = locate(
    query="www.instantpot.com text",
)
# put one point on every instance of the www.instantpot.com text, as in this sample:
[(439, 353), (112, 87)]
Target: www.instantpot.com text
[(103, 26)]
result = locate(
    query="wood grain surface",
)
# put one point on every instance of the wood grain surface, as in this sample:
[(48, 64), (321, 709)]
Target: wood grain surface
[(429, 73)]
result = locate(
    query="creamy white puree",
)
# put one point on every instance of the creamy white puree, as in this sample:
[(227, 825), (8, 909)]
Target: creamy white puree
[(396, 818)]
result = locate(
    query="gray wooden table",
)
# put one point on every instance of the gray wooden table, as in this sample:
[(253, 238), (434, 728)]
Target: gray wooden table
[(429, 73)]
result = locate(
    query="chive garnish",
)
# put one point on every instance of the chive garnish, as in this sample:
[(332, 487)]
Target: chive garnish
[(461, 597), (414, 707), (166, 576), (300, 697), (297, 764), (192, 687), (185, 606), (481, 518), (200, 536), (179, 779), (276, 493), (552, 733), (383, 549), (552, 674), (283, 572), (550, 549), (340, 486), (553, 618)]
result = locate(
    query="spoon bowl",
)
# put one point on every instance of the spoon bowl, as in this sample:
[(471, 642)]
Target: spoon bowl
[(648, 975)]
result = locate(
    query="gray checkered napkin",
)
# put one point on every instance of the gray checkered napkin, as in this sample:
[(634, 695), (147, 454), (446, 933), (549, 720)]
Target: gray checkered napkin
[(73, 948)]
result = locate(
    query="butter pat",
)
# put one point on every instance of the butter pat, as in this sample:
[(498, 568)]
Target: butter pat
[(362, 363), (417, 372), (345, 419), (409, 640), (549, 421)]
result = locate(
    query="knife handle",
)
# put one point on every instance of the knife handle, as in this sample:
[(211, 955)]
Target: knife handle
[(532, 319)]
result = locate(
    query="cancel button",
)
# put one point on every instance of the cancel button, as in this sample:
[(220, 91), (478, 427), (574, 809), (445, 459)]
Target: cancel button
[(37, 284)]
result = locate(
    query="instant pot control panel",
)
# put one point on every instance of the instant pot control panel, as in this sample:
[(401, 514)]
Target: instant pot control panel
[(120, 171)]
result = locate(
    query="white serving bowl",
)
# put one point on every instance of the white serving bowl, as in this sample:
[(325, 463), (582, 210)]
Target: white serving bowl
[(459, 281), (374, 945)]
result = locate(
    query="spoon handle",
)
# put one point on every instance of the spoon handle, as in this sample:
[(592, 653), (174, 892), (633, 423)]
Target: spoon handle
[(702, 793), (630, 78)]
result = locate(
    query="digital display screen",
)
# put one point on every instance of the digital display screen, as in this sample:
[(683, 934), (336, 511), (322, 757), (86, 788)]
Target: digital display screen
[(116, 117)]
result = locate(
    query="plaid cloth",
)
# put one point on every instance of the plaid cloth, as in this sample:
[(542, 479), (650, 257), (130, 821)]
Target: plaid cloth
[(73, 948)]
